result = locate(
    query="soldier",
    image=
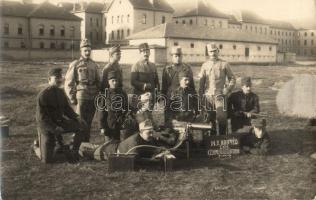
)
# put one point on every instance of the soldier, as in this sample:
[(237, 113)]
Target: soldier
[(113, 65), (171, 79), (243, 105), (255, 139), (82, 85), (213, 75), (116, 108), (183, 100), (144, 76), (55, 117)]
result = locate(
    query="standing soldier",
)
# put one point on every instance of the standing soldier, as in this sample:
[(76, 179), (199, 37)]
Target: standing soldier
[(213, 75), (114, 67), (144, 76), (82, 85), (171, 80)]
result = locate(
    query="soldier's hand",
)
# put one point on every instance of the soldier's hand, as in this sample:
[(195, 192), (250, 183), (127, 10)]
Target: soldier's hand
[(102, 131), (225, 91), (248, 115)]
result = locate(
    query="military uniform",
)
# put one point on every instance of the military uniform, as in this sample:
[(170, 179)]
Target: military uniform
[(238, 104), (144, 77), (213, 77), (82, 83), (52, 111), (171, 82)]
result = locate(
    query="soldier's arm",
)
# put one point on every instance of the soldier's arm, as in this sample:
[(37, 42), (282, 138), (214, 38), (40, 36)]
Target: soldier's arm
[(231, 77), (43, 116), (97, 77), (69, 112), (256, 106), (139, 85), (191, 84), (157, 84), (202, 76), (103, 82), (70, 83), (164, 82)]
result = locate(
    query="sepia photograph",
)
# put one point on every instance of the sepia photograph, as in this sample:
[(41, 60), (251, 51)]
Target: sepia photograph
[(157, 99)]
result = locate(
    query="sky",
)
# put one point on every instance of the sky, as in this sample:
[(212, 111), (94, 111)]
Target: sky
[(271, 9)]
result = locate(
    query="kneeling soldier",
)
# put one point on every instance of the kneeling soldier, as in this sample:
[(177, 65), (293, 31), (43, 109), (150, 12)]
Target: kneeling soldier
[(55, 117), (256, 139), (243, 105)]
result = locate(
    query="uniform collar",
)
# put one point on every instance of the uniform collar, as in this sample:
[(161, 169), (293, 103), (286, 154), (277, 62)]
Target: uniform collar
[(83, 59)]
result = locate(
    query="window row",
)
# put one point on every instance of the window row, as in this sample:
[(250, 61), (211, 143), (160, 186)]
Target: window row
[(119, 34), (205, 22), (120, 19), (62, 30), (96, 21), (305, 42), (306, 34), (220, 46), (6, 29), (281, 33), (41, 45)]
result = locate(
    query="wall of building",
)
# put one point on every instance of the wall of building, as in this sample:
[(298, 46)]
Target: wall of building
[(39, 54), (159, 15), (203, 21), (286, 39), (93, 24), (115, 23), (154, 41), (306, 43), (256, 28)]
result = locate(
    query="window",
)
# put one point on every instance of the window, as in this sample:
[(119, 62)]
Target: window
[(118, 19), (128, 32), (256, 29), (91, 21), (104, 21), (52, 30), (234, 47), (312, 34), (192, 45), (72, 31), (298, 42), (305, 34), (97, 22), (278, 32), (62, 45), (183, 21), (104, 35), (175, 44), (144, 18), (20, 29), (122, 19), (122, 34), (127, 18), (41, 30), (6, 44), (6, 29), (271, 32), (41, 45), (259, 48), (177, 21), (52, 45), (163, 19), (112, 35), (191, 21), (246, 27), (270, 48), (118, 34), (22, 45), (220, 46), (62, 31), (220, 24), (305, 42)]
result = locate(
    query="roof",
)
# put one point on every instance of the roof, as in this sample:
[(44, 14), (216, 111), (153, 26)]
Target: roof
[(67, 5), (281, 24), (43, 10), (48, 10), (204, 10), (91, 7), (249, 17), (158, 5), (171, 30), (232, 20), (16, 9)]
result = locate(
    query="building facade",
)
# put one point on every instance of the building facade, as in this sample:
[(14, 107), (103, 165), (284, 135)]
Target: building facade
[(46, 27), (306, 42)]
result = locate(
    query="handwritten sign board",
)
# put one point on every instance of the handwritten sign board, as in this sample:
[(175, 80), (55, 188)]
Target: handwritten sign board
[(222, 146)]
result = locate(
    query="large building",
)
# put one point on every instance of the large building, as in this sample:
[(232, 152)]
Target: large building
[(125, 17), (235, 46), (306, 42), (46, 28)]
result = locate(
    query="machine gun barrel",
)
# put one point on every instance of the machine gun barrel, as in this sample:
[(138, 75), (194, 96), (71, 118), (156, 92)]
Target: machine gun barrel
[(199, 126)]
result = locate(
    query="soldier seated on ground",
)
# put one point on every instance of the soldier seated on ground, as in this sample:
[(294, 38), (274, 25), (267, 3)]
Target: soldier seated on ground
[(55, 117), (130, 145), (255, 139), (243, 105), (113, 116)]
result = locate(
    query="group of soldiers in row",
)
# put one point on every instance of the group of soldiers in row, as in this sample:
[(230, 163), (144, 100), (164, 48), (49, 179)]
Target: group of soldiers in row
[(83, 85)]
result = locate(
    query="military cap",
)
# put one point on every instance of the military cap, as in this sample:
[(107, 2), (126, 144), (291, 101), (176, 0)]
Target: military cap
[(111, 75), (246, 81), (146, 125), (183, 73), (55, 72), (85, 43), (143, 46), (177, 50), (259, 123), (115, 49), (211, 47)]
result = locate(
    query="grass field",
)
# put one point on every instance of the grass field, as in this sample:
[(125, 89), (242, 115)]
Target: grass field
[(288, 173)]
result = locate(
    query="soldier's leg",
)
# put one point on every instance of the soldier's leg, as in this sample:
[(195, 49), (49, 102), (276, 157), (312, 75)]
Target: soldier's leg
[(73, 126), (86, 110), (47, 145)]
